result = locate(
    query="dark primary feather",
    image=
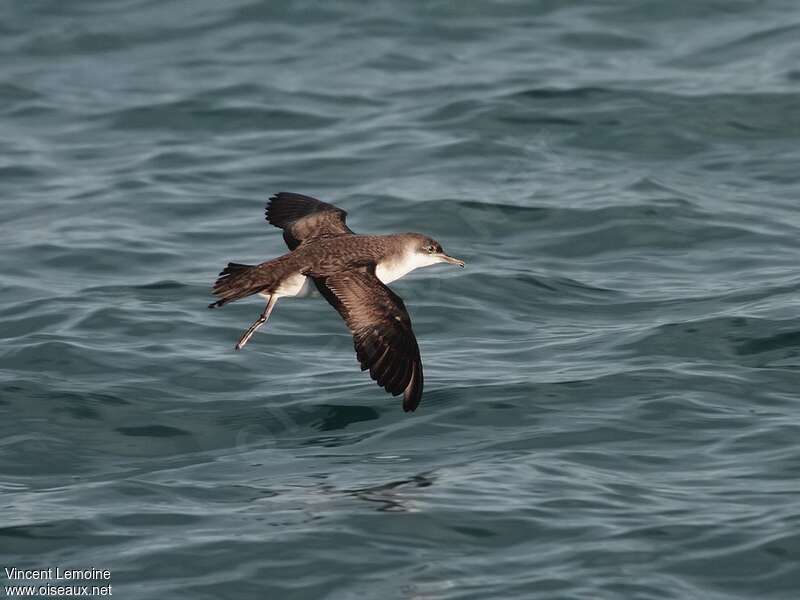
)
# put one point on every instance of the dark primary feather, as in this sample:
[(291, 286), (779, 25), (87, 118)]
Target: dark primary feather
[(382, 335), (302, 217)]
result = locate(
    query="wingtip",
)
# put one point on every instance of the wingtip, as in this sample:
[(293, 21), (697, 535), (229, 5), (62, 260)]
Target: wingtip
[(267, 206), (273, 198), (411, 403), (412, 395)]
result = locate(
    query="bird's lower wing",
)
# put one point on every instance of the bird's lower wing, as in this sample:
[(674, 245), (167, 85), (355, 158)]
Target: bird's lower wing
[(382, 335), (302, 217)]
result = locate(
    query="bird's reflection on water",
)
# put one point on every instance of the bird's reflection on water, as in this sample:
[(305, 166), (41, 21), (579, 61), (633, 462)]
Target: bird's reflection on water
[(390, 496)]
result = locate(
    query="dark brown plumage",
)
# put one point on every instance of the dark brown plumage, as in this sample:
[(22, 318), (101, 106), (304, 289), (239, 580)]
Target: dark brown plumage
[(382, 335), (347, 269), (302, 217)]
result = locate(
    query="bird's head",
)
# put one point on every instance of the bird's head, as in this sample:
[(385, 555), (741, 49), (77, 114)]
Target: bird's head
[(428, 251)]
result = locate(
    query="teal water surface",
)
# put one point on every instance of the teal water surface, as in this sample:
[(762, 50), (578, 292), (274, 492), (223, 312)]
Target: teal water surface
[(611, 406)]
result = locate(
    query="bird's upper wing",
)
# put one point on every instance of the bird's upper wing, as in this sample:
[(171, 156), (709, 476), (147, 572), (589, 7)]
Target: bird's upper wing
[(303, 217), (382, 334)]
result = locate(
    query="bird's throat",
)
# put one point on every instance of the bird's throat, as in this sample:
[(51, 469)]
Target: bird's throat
[(390, 270)]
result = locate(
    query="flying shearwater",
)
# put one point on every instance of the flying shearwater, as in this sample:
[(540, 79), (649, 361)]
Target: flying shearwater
[(351, 271)]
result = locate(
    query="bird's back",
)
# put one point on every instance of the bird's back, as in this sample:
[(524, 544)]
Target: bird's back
[(328, 255)]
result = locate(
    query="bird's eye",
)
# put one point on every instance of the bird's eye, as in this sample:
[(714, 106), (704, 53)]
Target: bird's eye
[(429, 249)]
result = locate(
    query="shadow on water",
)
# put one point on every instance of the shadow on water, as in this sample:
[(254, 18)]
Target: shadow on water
[(157, 431), (340, 416)]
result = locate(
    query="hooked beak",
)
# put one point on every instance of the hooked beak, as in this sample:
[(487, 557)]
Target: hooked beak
[(453, 261)]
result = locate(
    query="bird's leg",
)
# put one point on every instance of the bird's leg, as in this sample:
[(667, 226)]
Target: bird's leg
[(258, 322)]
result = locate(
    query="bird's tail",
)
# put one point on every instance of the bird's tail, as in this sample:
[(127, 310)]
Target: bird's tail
[(236, 281)]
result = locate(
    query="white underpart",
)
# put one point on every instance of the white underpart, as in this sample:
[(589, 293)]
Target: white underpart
[(295, 286), (390, 271)]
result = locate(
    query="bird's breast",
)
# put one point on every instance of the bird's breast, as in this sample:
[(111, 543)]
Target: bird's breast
[(390, 270)]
